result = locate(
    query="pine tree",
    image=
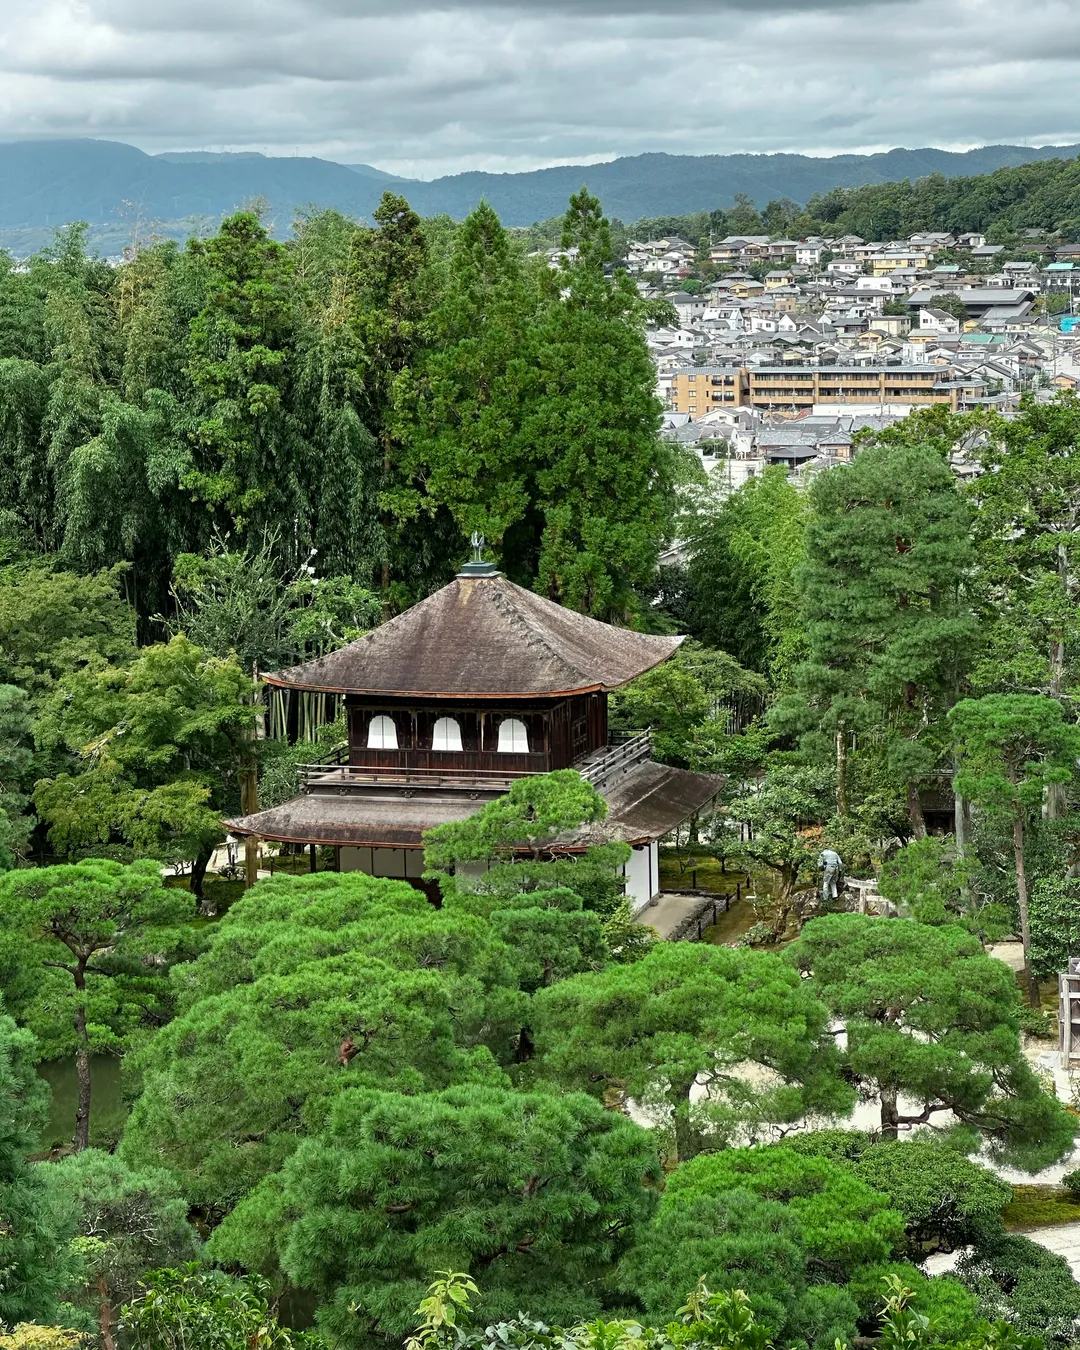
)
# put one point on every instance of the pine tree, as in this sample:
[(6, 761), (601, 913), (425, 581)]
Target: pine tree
[(889, 627)]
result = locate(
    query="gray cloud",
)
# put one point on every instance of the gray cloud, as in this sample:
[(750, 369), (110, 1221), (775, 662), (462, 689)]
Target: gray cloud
[(434, 86)]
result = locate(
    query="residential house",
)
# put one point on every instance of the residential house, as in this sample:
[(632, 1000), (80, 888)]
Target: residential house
[(781, 276), (893, 259), (896, 325), (938, 321)]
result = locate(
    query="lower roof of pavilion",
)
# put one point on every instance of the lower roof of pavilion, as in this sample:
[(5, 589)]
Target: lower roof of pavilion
[(645, 803)]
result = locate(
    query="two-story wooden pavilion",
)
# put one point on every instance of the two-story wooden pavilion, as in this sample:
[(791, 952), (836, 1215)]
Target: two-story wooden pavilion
[(451, 701)]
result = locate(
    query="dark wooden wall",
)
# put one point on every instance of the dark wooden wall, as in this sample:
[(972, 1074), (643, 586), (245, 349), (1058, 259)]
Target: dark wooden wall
[(560, 732)]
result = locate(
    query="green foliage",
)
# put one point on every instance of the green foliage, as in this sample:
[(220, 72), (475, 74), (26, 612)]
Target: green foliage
[(334, 383), (1039, 194), (926, 878), (192, 1307), (1029, 498), (535, 813), (128, 1222), (1055, 926), (796, 1228), (55, 624), (538, 1191), (687, 703), (592, 419), (100, 936), (240, 343), (1011, 748), (930, 1017), (845, 1222), (34, 1226), (725, 1320), (164, 740), (15, 761), (595, 875), (741, 578), (461, 407), (311, 985), (945, 1199), (27, 1336), (688, 1013), (447, 1299), (760, 1238), (240, 603), (889, 627), (1026, 1285), (782, 810)]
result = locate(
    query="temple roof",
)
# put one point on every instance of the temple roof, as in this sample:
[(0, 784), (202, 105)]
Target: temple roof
[(482, 636), (646, 802)]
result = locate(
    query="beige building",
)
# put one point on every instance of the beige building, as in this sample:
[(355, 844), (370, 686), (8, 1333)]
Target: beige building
[(797, 389), (699, 389)]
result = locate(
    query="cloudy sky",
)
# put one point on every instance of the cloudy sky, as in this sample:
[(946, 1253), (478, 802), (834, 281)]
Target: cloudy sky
[(426, 87)]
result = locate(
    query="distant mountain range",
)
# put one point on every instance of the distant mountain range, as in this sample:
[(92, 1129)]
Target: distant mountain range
[(48, 183)]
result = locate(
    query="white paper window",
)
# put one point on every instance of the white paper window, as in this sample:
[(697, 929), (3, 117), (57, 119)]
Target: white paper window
[(513, 737), (447, 735), (382, 734)]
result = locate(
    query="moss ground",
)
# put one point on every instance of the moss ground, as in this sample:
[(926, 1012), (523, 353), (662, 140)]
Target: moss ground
[(1040, 1207), (701, 872)]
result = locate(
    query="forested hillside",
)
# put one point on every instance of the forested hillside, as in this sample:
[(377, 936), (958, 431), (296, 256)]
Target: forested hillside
[(120, 190), (1041, 196)]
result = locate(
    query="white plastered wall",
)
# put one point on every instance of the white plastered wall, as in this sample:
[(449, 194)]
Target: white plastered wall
[(642, 876)]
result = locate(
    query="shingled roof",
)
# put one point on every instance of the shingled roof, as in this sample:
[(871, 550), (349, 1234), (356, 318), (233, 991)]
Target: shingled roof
[(482, 636), (646, 802)]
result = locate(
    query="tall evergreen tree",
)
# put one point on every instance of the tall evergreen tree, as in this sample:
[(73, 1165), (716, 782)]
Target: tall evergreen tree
[(1011, 748), (389, 286), (460, 408), (251, 465), (604, 478), (889, 626)]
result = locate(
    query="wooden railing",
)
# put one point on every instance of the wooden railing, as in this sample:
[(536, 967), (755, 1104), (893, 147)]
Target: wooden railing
[(617, 759), (481, 770), (353, 777)]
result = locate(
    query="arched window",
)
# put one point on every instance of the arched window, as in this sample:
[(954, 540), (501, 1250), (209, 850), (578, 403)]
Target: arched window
[(447, 734), (382, 734), (513, 737)]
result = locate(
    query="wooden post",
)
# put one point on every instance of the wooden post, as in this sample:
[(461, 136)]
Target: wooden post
[(313, 857), (251, 860), (249, 793)]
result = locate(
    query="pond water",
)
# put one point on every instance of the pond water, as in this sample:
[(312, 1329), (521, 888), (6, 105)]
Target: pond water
[(107, 1109)]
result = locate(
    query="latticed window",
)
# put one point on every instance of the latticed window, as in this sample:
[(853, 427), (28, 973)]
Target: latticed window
[(513, 737), (382, 734), (446, 735)]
